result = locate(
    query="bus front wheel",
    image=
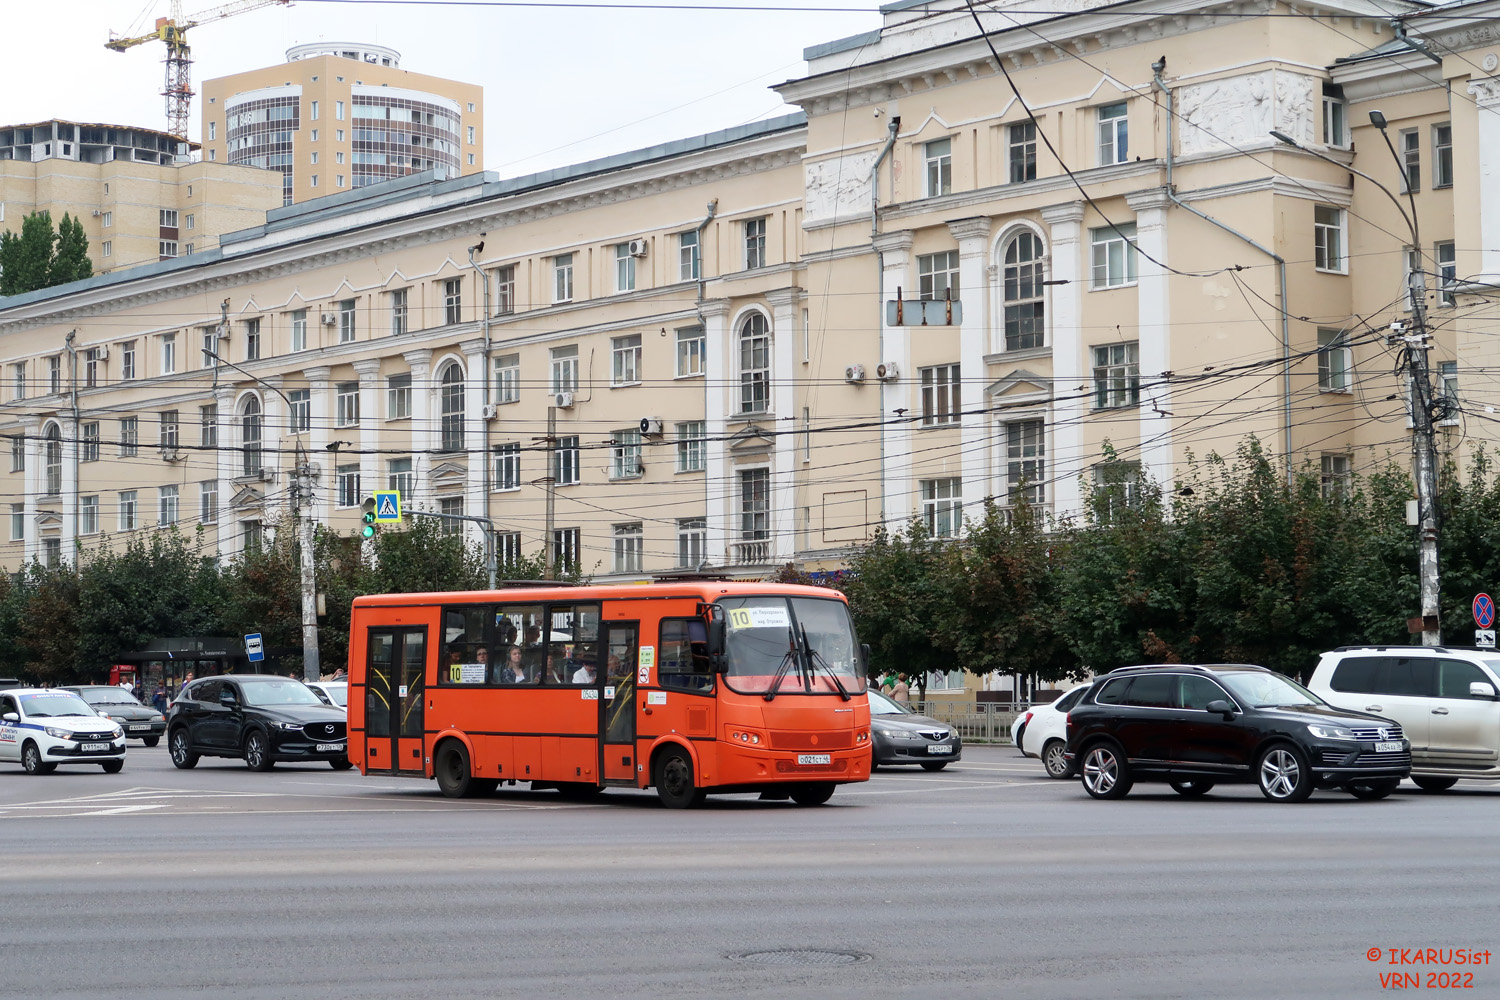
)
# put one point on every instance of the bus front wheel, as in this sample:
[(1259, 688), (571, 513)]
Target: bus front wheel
[(454, 776), (673, 778)]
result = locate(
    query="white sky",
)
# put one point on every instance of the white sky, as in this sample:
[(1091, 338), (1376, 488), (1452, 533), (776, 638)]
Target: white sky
[(560, 85)]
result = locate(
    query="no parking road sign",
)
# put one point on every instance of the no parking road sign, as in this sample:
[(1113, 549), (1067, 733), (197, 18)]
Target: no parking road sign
[(1484, 610)]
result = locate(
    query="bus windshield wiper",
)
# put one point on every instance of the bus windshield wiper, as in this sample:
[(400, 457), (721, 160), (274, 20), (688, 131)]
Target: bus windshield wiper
[(817, 658), (786, 661)]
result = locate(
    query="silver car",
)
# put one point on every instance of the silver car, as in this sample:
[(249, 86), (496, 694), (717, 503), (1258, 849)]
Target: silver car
[(901, 736)]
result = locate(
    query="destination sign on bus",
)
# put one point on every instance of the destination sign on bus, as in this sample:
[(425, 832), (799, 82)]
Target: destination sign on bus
[(772, 617)]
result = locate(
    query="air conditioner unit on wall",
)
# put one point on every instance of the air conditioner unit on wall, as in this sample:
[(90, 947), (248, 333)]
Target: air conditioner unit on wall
[(268, 475), (490, 411), (854, 374), (563, 400), (330, 319), (888, 371), (651, 426), (101, 353), (637, 248)]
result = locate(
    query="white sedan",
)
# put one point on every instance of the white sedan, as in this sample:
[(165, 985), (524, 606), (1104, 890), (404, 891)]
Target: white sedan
[(42, 728), (1042, 731), (332, 693)]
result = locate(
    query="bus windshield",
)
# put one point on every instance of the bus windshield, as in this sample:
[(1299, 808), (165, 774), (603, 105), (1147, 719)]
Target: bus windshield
[(797, 645)]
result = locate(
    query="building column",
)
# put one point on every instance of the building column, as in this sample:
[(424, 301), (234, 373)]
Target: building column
[(69, 488), (896, 487), (476, 503), (421, 424), (1155, 335), (1069, 364), (719, 490), (786, 313), (35, 457), (973, 236), (320, 384), (227, 464), (368, 371), (1486, 96)]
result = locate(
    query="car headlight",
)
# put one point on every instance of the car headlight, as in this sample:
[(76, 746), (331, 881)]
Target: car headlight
[(60, 734), (158, 718), (289, 727), (1332, 733), (897, 734), (118, 732)]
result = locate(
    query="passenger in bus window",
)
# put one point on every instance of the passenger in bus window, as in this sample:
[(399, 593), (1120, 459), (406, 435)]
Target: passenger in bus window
[(586, 674), (514, 671)]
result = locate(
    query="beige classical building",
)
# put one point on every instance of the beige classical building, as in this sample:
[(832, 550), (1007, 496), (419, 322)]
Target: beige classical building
[(140, 193), (693, 347), (342, 115)]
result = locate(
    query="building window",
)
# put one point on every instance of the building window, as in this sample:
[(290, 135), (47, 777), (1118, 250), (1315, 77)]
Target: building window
[(91, 368), (348, 485), (755, 364), (338, 110), (1022, 150), (127, 361), (169, 432), (691, 347), (755, 243), (562, 278), (313, 181), (346, 404), (127, 510), (1117, 487), (54, 374), (52, 456), (130, 437), (107, 248), (17, 522), (192, 221), (346, 320), (1025, 462), (51, 552), (252, 340), (166, 249), (940, 395), (399, 477), (470, 132), (398, 312), (1442, 155), (692, 542), (398, 397), (626, 452), (1335, 114), (300, 418), (938, 159), (1113, 255), (508, 378), (565, 549), (451, 406), (692, 446), (299, 329), (167, 218), (166, 505), (1335, 361), (18, 390), (1448, 384), (688, 266), (250, 436), (505, 290), (508, 466), (937, 275), (1024, 306), (252, 535), (453, 301), (88, 515), (630, 542), (1335, 476), (507, 547), (18, 453), (1117, 376), (627, 359), (454, 508), (208, 424), (89, 451), (107, 220), (624, 268), (565, 369), (942, 506), (1447, 262), (565, 461), (339, 178), (755, 514), (1409, 145), (312, 111), (208, 501), (210, 338), (1328, 238), (1114, 134)]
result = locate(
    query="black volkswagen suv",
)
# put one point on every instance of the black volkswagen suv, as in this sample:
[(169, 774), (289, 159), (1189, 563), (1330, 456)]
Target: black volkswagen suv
[(1197, 726), (259, 718)]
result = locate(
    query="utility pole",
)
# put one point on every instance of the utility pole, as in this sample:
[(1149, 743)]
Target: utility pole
[(1416, 342), (548, 544), (311, 669)]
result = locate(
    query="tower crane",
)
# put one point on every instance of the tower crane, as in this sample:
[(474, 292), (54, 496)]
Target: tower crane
[(172, 31)]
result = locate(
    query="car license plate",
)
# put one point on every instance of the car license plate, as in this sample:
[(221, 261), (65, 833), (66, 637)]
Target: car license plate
[(1388, 747), (145, 725), (330, 747), (814, 758), (940, 748), (91, 747)]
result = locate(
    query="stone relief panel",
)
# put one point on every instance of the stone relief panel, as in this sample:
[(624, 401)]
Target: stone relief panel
[(1242, 110), (839, 187)]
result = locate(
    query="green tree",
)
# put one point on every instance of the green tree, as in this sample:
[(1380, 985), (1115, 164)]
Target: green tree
[(26, 257), (900, 593), (71, 261), (48, 629)]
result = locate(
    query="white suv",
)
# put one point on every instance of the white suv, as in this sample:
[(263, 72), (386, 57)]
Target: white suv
[(42, 728), (1446, 700)]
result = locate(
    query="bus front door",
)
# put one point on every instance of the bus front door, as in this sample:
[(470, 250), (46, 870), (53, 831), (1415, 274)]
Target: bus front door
[(622, 648), (393, 700)]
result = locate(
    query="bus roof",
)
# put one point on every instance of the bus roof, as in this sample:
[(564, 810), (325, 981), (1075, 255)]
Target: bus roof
[(703, 590)]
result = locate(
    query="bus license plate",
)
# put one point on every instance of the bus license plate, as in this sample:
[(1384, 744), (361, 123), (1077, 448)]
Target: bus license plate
[(1388, 747), (330, 747), (814, 758), (940, 748), (93, 747)]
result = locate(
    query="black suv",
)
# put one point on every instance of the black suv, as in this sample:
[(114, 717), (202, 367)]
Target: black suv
[(1197, 726), (260, 718)]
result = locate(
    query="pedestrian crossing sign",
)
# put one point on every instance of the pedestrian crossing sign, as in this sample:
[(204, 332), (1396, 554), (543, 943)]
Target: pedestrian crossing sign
[(387, 506)]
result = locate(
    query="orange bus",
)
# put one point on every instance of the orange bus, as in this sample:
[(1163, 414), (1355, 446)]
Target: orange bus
[(691, 687)]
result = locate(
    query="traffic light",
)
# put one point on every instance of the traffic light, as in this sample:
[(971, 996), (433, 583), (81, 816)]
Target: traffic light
[(368, 531)]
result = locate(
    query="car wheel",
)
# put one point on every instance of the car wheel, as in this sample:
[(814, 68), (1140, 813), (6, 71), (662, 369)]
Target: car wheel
[(673, 777), (31, 760), (1192, 787), (150, 741), (342, 764), (1053, 759), (814, 793), (1374, 789), (1105, 773), (1283, 774), (112, 766), (258, 752), (180, 750), (1434, 784), (454, 776), (934, 765)]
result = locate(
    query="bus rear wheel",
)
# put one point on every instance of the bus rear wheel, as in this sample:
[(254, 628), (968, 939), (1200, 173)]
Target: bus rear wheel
[(673, 777), (812, 794), (454, 776)]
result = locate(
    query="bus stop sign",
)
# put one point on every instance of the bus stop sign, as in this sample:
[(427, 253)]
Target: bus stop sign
[(254, 650)]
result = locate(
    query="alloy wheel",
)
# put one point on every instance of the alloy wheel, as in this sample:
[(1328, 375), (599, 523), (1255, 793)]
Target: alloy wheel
[(1101, 770), (1280, 773)]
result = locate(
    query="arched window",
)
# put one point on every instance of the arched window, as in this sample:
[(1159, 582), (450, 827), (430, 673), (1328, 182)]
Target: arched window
[(755, 364), (452, 401), (1025, 317), (250, 425), (54, 458)]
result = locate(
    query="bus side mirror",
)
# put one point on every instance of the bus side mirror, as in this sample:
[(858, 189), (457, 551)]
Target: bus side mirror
[(864, 654), (718, 627)]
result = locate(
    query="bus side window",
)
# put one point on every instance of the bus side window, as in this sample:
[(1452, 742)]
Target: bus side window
[(468, 645), (682, 662)]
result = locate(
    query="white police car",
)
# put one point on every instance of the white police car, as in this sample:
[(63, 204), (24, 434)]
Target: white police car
[(43, 728)]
